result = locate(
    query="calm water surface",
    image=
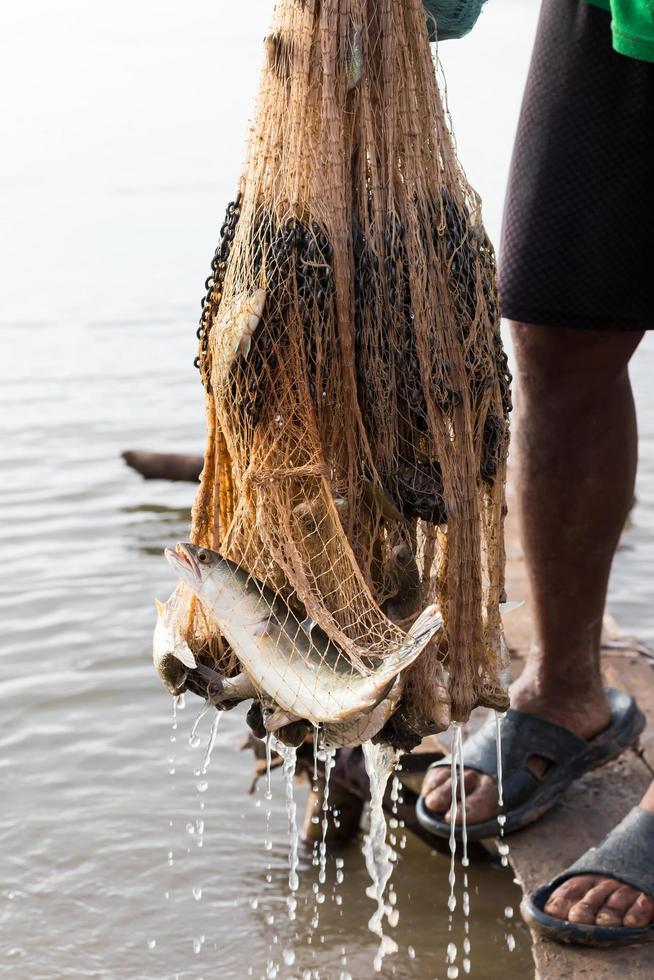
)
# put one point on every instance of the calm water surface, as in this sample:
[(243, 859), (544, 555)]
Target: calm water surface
[(122, 136)]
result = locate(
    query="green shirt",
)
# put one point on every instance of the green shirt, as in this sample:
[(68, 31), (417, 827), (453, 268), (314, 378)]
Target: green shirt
[(633, 26)]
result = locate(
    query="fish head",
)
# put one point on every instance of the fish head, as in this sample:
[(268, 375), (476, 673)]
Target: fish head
[(194, 565)]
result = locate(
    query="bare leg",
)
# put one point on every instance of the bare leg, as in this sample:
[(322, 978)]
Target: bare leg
[(575, 451)]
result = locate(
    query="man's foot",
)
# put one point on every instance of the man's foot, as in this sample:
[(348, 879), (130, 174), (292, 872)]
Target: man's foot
[(585, 715), (595, 900)]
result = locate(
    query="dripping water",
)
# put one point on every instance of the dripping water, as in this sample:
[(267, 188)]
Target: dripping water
[(452, 951), (329, 759), (380, 761), (194, 739), (267, 843), (503, 847), (211, 743), (464, 860), (290, 763)]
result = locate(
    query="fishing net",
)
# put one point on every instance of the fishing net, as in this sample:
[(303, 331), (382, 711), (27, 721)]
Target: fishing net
[(357, 392)]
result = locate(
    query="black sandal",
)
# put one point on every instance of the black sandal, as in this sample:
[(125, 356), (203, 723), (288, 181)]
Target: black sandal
[(526, 797), (627, 855)]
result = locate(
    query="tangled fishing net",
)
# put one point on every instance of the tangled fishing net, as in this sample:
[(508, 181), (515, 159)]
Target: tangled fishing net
[(357, 392)]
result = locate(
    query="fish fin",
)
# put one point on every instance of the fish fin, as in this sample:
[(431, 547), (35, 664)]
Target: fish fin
[(423, 630), (279, 719), (308, 625), (244, 345), (508, 607), (267, 627), (430, 620), (161, 609), (184, 654), (376, 496)]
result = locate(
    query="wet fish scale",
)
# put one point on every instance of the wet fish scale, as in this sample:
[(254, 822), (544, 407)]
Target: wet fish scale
[(306, 674)]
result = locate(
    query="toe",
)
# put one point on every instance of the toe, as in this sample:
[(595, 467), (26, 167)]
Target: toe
[(481, 801), (434, 778), (568, 894), (439, 798), (641, 913), (616, 905), (584, 911)]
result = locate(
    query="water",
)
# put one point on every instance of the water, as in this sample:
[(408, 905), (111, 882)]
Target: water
[(122, 136), (380, 857)]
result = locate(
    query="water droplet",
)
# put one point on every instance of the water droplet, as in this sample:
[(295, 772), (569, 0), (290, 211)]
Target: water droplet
[(289, 957), (411, 953), (508, 912), (202, 786), (510, 942), (197, 894), (152, 943), (452, 972), (466, 966), (194, 741), (254, 903), (268, 844)]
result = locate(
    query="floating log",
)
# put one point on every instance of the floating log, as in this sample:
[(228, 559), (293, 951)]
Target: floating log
[(165, 466)]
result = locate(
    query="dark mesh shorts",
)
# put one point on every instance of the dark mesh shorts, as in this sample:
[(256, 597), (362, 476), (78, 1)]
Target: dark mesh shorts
[(578, 236)]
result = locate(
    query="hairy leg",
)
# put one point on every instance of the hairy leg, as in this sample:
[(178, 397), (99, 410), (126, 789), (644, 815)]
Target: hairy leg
[(575, 453)]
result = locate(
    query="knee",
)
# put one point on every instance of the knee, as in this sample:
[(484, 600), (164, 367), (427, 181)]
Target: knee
[(567, 364)]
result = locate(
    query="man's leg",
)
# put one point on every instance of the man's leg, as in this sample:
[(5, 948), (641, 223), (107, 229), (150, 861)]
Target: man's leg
[(575, 451)]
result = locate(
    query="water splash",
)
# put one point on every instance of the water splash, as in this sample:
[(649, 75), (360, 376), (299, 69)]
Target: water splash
[(380, 761)]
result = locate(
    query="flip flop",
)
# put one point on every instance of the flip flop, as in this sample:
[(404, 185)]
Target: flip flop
[(526, 797), (627, 855)]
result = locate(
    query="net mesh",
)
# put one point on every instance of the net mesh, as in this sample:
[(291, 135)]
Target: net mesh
[(357, 390)]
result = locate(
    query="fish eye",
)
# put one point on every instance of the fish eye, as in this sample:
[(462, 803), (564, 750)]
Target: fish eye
[(203, 556)]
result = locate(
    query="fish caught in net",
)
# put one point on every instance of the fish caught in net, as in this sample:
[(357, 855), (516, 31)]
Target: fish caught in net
[(348, 529)]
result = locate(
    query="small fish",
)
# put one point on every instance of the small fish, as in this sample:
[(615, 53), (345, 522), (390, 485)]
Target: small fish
[(312, 512), (406, 574), (378, 499), (236, 326), (171, 654), (304, 672), (355, 60)]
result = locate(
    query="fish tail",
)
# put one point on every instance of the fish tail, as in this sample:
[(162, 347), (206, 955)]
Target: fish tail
[(423, 630)]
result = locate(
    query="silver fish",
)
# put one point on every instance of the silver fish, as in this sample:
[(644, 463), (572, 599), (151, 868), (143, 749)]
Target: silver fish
[(294, 663), (238, 319), (355, 61), (171, 654)]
